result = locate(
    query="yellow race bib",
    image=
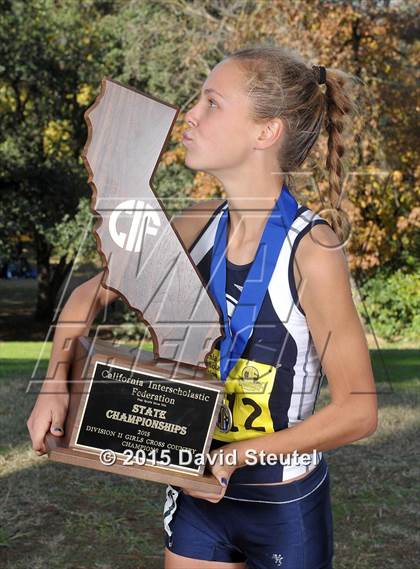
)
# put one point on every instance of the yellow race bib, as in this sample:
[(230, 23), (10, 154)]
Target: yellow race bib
[(247, 391)]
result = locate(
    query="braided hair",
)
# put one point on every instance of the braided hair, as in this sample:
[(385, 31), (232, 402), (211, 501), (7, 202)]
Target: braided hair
[(280, 83)]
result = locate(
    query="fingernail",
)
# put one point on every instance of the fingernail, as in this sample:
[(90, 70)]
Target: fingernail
[(58, 429), (223, 481)]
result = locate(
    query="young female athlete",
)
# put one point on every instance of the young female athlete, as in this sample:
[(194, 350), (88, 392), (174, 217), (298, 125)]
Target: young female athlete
[(280, 277), (259, 114)]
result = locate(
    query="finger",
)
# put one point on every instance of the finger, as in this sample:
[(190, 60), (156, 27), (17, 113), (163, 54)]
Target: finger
[(39, 448), (38, 436), (206, 496), (213, 499), (222, 475), (57, 422)]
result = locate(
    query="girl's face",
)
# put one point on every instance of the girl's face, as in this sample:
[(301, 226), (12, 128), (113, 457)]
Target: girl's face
[(221, 129)]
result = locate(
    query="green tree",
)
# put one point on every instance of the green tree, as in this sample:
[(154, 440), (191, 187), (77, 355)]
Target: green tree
[(376, 41), (53, 56)]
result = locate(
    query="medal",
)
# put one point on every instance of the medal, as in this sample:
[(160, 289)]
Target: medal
[(225, 420), (239, 329)]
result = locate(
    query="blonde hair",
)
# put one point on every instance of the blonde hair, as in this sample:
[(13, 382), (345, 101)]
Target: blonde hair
[(280, 83)]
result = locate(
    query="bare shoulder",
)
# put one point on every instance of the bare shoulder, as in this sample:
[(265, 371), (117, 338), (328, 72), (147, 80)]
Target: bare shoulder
[(96, 291), (191, 220), (319, 240), (321, 263)]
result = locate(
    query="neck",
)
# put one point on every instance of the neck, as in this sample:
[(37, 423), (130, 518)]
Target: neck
[(249, 210)]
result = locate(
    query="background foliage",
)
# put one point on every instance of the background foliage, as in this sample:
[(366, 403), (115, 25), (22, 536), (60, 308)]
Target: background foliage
[(54, 54), (393, 304)]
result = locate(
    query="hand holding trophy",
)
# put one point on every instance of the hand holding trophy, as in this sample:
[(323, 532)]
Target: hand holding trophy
[(133, 412)]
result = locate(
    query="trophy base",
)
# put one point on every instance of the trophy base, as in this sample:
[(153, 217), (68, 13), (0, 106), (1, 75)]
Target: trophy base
[(204, 483), (66, 449)]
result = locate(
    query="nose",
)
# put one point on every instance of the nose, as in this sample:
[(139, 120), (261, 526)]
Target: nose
[(191, 117)]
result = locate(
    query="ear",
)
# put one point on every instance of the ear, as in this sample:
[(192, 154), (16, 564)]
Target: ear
[(270, 132)]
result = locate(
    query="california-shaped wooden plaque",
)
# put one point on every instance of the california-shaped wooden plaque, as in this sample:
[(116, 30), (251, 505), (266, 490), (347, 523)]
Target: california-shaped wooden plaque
[(145, 260), (146, 263)]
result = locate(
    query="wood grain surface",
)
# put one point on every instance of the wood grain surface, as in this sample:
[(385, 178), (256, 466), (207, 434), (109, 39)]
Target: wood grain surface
[(144, 258)]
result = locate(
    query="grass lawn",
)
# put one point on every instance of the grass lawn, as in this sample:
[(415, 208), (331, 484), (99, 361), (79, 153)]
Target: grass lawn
[(55, 516)]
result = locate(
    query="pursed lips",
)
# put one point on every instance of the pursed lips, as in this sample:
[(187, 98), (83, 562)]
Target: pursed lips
[(186, 139), (186, 136)]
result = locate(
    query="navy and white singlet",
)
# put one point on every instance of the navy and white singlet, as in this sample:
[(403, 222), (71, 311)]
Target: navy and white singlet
[(273, 386)]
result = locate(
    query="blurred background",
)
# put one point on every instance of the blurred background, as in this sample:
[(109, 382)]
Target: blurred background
[(53, 55)]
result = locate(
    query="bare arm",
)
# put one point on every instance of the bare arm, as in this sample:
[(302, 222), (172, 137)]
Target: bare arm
[(75, 320), (89, 298), (338, 336)]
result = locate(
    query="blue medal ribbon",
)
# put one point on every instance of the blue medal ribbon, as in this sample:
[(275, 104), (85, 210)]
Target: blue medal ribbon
[(256, 284)]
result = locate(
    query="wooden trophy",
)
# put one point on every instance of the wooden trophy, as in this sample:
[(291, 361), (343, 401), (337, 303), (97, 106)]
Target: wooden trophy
[(133, 412)]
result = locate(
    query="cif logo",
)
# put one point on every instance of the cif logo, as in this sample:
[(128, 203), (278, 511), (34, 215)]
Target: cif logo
[(144, 220)]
